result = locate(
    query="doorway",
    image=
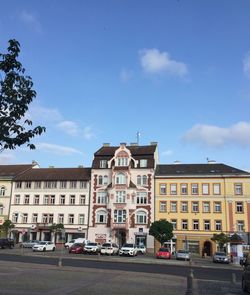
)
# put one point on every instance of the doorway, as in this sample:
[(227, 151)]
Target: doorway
[(121, 237), (207, 248)]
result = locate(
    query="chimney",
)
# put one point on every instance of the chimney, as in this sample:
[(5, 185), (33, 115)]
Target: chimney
[(177, 162), (123, 143), (153, 143), (80, 166), (211, 161), (133, 144), (106, 144)]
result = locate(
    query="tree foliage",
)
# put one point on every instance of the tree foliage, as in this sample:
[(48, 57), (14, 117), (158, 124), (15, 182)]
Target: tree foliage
[(16, 93), (221, 239), (161, 230), (6, 227)]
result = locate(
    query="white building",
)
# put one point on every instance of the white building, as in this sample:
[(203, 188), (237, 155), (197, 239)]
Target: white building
[(45, 196), (122, 194)]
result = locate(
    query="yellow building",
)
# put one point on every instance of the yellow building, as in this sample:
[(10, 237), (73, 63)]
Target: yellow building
[(200, 200)]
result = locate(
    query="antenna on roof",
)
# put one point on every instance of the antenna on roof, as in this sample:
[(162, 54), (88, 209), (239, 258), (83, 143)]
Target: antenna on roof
[(138, 134)]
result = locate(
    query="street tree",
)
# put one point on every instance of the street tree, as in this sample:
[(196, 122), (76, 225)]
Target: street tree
[(221, 239), (161, 230), (6, 227), (16, 94)]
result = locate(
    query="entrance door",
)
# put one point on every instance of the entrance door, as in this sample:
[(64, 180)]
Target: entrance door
[(121, 237), (207, 248), (47, 236)]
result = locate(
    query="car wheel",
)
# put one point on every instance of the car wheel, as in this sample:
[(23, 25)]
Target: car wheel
[(44, 249), (54, 249), (243, 286)]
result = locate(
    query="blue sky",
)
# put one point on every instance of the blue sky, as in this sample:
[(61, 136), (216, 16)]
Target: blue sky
[(178, 71)]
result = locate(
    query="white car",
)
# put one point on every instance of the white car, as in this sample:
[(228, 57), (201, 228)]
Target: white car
[(74, 241), (92, 248), (44, 246), (141, 249), (109, 249), (128, 249)]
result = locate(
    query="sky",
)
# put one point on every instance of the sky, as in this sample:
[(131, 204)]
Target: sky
[(176, 71)]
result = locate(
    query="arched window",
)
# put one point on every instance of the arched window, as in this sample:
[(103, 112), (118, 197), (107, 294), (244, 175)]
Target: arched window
[(105, 179), (100, 180), (1, 209), (144, 180), (138, 179), (101, 216), (120, 178), (2, 191), (141, 217)]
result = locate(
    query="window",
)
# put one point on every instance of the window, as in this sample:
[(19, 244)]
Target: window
[(218, 225), (174, 223), (194, 188), (119, 216), (184, 224), (184, 189), (163, 189), (120, 196), (239, 207), (195, 224), (24, 218), (82, 200), (72, 200), (205, 188), (73, 184), (217, 207), (216, 188), (206, 207), (100, 180), (102, 198), (101, 216), (143, 163), (83, 184), (238, 189), (163, 206), (51, 218), (61, 218), (173, 206), (26, 199), (122, 161), (46, 200), (17, 199), (37, 184), (141, 217), (120, 178), (62, 199), (184, 206), (1, 209), (173, 189), (45, 218), (141, 198), (81, 218), (34, 217), (71, 219), (105, 179), (63, 184), (18, 184), (47, 184), (53, 184), (2, 191), (206, 224), (36, 199), (144, 180), (103, 164), (138, 179), (240, 225), (15, 217), (27, 184), (195, 207), (52, 199)]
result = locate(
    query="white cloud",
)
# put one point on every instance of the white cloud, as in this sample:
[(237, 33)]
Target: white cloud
[(214, 136), (125, 75), (69, 127), (43, 114), (154, 61), (167, 153), (246, 65), (31, 20), (6, 158), (88, 133), (57, 149)]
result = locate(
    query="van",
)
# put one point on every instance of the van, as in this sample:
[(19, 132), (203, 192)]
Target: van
[(73, 241)]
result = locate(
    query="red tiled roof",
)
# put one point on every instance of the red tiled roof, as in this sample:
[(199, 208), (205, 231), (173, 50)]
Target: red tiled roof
[(10, 171)]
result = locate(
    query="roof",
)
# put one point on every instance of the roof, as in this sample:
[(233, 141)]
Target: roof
[(10, 171), (53, 174), (198, 169)]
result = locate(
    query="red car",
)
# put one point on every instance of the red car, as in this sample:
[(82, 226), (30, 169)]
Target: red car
[(76, 248), (163, 253)]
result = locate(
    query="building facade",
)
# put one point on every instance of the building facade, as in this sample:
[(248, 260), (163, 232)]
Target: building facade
[(122, 194), (43, 197), (200, 200)]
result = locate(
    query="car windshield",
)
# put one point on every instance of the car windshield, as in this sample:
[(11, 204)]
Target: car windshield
[(163, 250), (183, 251), (92, 244), (106, 245), (42, 243), (128, 245), (220, 253), (77, 245)]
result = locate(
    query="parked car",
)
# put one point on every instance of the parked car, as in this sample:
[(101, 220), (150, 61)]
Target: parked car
[(73, 241), (92, 248), (221, 257), (28, 244), (6, 243), (163, 253), (141, 249), (183, 255), (109, 249), (128, 249), (44, 246), (77, 248), (245, 281), (243, 259)]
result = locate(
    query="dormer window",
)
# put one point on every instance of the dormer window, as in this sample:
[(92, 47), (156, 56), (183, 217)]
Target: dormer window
[(103, 164), (122, 162), (143, 163)]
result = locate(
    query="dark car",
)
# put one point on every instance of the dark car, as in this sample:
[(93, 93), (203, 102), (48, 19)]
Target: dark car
[(76, 248), (245, 281), (6, 243), (163, 253)]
